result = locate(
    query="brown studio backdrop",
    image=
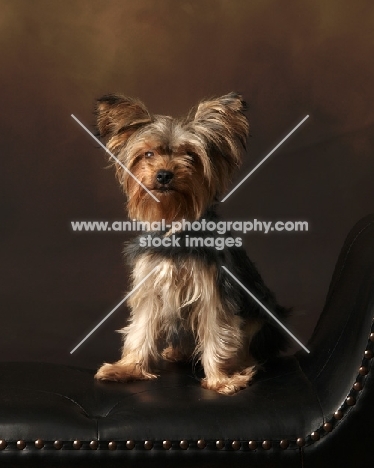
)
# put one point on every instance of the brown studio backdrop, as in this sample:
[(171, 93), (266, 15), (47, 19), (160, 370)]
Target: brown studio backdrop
[(288, 59)]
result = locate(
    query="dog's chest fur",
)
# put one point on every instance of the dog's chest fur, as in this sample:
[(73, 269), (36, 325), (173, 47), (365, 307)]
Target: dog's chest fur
[(175, 287)]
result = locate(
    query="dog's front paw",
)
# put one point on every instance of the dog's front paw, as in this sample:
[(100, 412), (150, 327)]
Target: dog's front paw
[(229, 384), (119, 372)]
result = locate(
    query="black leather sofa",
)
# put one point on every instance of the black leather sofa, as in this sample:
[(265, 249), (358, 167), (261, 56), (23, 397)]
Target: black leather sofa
[(309, 411)]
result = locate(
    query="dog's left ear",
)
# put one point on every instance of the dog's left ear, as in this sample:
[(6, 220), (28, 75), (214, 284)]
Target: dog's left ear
[(224, 126)]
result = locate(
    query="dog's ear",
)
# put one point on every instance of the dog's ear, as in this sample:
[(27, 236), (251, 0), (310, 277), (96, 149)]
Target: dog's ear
[(223, 121), (224, 128), (118, 114)]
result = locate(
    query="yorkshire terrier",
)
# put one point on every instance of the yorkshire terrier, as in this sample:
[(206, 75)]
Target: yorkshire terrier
[(190, 308)]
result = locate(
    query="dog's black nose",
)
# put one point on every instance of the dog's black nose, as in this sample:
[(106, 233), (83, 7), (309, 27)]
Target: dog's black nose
[(164, 177)]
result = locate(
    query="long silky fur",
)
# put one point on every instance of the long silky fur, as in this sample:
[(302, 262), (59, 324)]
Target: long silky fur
[(190, 308)]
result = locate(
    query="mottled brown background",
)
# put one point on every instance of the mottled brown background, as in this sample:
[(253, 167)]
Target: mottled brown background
[(289, 59)]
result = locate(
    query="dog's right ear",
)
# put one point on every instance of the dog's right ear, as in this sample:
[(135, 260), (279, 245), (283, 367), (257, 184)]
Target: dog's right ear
[(117, 114)]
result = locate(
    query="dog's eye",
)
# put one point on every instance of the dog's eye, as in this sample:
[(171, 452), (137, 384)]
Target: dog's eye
[(148, 154)]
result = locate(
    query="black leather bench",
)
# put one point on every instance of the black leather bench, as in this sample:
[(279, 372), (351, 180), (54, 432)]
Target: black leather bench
[(307, 411)]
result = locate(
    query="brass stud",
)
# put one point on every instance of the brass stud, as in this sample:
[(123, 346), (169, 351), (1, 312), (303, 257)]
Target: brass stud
[(351, 401), (39, 444), (252, 444), (201, 444), (220, 444), (130, 444), (315, 435), (94, 444), (77, 444), (363, 370), (166, 444), (112, 445), (327, 427), (338, 415), (236, 444), (184, 444), (57, 444), (148, 445), (368, 354), (266, 444), (357, 386), (371, 337), (283, 444), (21, 444), (300, 442), (3, 444)]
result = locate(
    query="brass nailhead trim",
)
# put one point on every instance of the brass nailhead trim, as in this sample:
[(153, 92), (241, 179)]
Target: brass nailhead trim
[(357, 386), (57, 444), (220, 444), (338, 415), (3, 444), (166, 444), (300, 442), (94, 444), (112, 445), (252, 444), (21, 444), (315, 435), (327, 427), (266, 444), (39, 444), (77, 444), (351, 401), (148, 445), (130, 444), (184, 444), (284, 444), (236, 444), (201, 444)]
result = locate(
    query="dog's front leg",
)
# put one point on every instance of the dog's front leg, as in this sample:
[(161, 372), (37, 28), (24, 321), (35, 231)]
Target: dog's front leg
[(223, 351), (139, 350)]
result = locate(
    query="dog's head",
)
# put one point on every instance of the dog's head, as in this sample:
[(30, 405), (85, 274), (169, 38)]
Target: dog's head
[(185, 163)]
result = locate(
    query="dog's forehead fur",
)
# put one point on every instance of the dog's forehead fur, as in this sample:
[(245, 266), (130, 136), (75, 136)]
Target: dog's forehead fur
[(218, 122), (168, 136)]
